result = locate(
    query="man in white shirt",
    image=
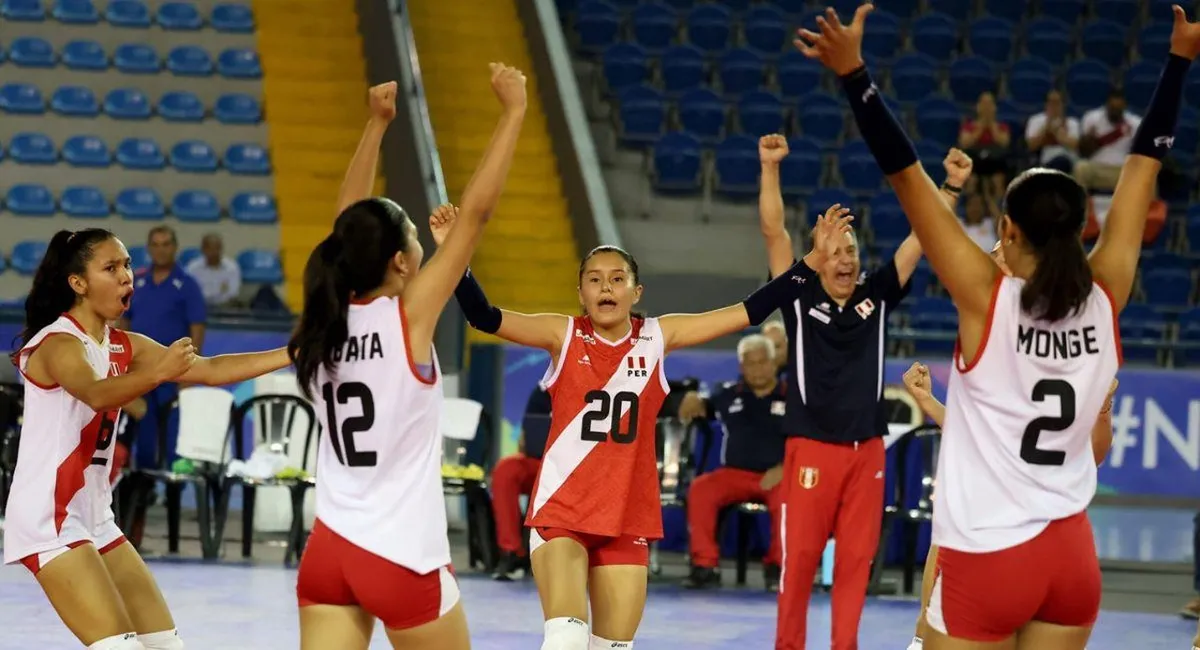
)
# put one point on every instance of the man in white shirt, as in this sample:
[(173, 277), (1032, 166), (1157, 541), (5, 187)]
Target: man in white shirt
[(1107, 136), (219, 277), (1053, 135)]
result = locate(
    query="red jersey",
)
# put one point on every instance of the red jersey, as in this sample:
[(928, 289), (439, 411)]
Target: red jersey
[(599, 474)]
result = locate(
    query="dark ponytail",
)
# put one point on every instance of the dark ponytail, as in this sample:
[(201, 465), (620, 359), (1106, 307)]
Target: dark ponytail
[(1050, 208), (51, 294), (352, 261)]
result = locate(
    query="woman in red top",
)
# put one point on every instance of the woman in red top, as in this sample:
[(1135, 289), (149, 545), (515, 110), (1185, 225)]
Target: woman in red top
[(987, 141)]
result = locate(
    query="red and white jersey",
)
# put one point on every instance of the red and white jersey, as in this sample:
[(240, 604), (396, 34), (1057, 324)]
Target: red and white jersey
[(1017, 449), (379, 463), (61, 492), (599, 474)]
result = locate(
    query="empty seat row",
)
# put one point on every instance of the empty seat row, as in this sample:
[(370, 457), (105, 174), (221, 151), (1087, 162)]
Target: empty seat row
[(135, 58), (137, 203), (128, 104), (139, 154), (257, 266), (224, 17)]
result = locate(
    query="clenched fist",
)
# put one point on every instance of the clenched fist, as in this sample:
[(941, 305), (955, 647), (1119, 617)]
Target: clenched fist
[(382, 99), (441, 221), (958, 168), (509, 85), (772, 149), (176, 360)]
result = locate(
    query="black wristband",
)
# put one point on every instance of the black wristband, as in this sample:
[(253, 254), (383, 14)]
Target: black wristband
[(953, 189), (1156, 134), (884, 136), (479, 313)]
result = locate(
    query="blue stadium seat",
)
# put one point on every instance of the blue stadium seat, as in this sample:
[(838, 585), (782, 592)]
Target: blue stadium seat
[(232, 17), (84, 55), (914, 77), (1191, 89), (800, 171), (1154, 41), (676, 164), (654, 26), (702, 114), (75, 101), (193, 156), (820, 117), (971, 76), (250, 159), (760, 113), (822, 199), (140, 153), (1029, 81), (189, 61), (188, 255), (237, 63), (1014, 116), (641, 115), (31, 52), (1105, 41), (32, 149), (682, 69), (26, 256), (29, 200), (139, 257), (127, 104), (798, 75), (736, 165), (83, 201), (179, 16), (136, 58), (139, 203), (625, 65), (237, 108), (21, 98), (253, 207), (181, 106), (741, 71), (884, 38), (196, 205), (30, 10), (127, 13), (1187, 132), (1164, 262), (1189, 332), (708, 27), (1013, 10), (992, 38), (888, 222), (1049, 39), (935, 35), (938, 120), (1141, 79), (77, 12), (1122, 12), (1088, 83), (680, 4), (260, 267), (1167, 287), (1140, 323), (934, 315), (1160, 10), (597, 25), (766, 29), (956, 9), (86, 151), (1067, 11), (931, 155), (860, 173)]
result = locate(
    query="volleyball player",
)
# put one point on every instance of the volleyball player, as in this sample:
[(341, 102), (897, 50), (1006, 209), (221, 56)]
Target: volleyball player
[(1016, 470), (364, 354), (78, 373)]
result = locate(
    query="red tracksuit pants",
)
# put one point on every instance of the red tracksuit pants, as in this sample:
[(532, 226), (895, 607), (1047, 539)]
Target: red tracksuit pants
[(723, 487), (512, 477), (828, 489)]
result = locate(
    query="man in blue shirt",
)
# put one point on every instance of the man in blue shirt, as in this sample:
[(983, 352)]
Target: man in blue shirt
[(167, 305)]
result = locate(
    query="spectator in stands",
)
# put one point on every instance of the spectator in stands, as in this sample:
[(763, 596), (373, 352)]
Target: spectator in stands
[(751, 410), (1053, 135), (986, 140), (219, 277), (1104, 145), (979, 220), (167, 305), (774, 330), (512, 479)]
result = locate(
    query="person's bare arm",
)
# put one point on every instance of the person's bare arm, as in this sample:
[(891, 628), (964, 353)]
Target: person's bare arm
[(968, 136), (686, 330), (1102, 430), (220, 370), (1001, 135), (136, 408), (197, 332), (772, 149), (359, 182), (61, 360)]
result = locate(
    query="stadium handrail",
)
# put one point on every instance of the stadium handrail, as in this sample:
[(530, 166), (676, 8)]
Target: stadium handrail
[(413, 87)]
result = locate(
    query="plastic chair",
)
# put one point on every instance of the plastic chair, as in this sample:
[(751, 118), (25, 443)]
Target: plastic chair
[(198, 206), (237, 108), (86, 151), (461, 422), (235, 63), (32, 149), (736, 167), (21, 98), (75, 12), (253, 207), (127, 104), (641, 115), (740, 71), (935, 35), (140, 204), (625, 65), (230, 17), (180, 106), (84, 202), (702, 114), (654, 26), (260, 267), (708, 27), (246, 158), (31, 52), (26, 256), (30, 200), (676, 164), (84, 55), (140, 153), (193, 156), (179, 16), (75, 101), (682, 69), (136, 58), (189, 61), (127, 13), (23, 10)]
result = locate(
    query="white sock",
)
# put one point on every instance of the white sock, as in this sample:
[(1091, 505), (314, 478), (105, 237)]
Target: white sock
[(916, 644), (127, 641), (605, 644), (165, 640), (566, 633)]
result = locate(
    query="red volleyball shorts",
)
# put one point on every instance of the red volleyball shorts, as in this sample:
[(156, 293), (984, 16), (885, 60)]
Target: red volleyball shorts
[(602, 551), (334, 571), (104, 543), (988, 597)]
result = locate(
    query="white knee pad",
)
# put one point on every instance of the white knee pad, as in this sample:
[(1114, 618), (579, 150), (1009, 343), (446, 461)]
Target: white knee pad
[(127, 641), (165, 640), (566, 633), (607, 644)]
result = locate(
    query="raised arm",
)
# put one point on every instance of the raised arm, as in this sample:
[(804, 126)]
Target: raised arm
[(1114, 260), (220, 370), (772, 149), (62, 361), (359, 183), (432, 287), (1102, 430), (918, 384), (958, 169)]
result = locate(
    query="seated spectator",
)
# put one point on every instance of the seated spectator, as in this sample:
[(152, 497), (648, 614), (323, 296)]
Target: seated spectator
[(513, 478), (774, 330), (751, 410), (979, 220), (986, 140), (1104, 145), (219, 277), (1053, 135)]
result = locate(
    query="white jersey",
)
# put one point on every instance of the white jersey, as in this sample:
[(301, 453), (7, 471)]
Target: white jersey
[(1017, 449), (379, 464), (61, 493)]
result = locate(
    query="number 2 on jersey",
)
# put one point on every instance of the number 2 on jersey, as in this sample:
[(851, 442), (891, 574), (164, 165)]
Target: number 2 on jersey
[(604, 420), (345, 438), (105, 432), (1030, 452)]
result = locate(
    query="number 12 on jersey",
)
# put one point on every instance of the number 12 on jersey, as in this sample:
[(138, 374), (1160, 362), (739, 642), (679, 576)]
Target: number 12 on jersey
[(602, 421), (344, 439)]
